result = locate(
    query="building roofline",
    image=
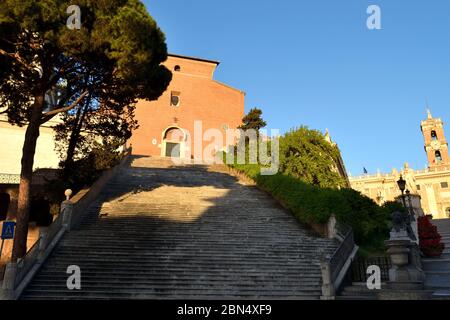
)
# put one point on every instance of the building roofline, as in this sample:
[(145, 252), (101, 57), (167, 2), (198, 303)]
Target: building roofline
[(229, 87), (194, 58)]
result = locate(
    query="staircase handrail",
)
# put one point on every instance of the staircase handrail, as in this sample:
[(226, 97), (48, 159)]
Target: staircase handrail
[(335, 266)]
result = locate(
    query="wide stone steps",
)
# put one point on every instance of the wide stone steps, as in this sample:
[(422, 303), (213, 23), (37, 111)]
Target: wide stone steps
[(357, 291), (132, 294), (437, 270), (184, 232)]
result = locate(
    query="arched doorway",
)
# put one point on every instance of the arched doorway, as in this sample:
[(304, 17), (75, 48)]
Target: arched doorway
[(5, 200), (173, 142)]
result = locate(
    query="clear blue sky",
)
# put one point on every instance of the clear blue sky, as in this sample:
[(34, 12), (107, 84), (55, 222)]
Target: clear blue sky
[(315, 63)]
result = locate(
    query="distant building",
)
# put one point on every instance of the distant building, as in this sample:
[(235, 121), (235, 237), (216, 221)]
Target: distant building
[(432, 184), (166, 126), (12, 138)]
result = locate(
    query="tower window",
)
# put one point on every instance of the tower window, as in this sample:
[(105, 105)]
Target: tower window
[(433, 135), (175, 99), (444, 185), (177, 68), (438, 157)]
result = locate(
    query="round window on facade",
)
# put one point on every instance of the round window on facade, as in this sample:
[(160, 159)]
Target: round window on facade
[(177, 68)]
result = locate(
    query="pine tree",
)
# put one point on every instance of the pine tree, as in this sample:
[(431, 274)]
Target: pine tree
[(115, 56), (253, 120)]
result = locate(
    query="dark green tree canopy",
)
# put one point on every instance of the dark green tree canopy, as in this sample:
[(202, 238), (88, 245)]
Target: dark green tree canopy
[(306, 155), (116, 54), (47, 68), (253, 120)]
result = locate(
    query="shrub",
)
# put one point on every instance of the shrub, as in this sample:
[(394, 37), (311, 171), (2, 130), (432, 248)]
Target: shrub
[(306, 155), (88, 169), (84, 173), (313, 204)]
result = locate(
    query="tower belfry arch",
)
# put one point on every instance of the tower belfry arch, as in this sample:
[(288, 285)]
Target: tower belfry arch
[(435, 143)]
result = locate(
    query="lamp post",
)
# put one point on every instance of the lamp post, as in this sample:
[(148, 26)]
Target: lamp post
[(402, 186), (409, 217)]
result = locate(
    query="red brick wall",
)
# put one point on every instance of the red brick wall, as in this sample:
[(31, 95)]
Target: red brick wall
[(201, 98)]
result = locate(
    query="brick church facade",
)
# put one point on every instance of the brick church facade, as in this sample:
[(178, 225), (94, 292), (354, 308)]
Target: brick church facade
[(193, 103)]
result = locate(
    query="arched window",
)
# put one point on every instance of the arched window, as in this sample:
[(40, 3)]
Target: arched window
[(433, 135), (447, 212), (438, 156), (177, 68), (175, 99), (5, 199)]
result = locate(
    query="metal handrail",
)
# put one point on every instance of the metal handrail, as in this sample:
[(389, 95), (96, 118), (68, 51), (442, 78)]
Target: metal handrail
[(343, 252)]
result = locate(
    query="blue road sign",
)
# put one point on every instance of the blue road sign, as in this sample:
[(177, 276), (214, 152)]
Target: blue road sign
[(8, 230)]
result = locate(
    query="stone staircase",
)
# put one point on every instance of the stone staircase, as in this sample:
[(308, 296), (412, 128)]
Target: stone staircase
[(437, 270), (357, 291), (160, 231)]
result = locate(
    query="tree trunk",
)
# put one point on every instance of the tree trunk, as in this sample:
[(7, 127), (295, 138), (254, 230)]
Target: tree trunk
[(74, 136), (23, 204), (68, 163)]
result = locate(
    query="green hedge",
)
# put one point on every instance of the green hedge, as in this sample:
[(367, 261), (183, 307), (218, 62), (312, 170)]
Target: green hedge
[(313, 204)]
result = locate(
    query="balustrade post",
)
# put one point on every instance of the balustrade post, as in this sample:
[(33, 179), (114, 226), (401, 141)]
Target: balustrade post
[(9, 281), (67, 210), (43, 232), (328, 292), (332, 227)]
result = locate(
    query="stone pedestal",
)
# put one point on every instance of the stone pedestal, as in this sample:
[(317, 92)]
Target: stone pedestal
[(406, 277), (399, 254)]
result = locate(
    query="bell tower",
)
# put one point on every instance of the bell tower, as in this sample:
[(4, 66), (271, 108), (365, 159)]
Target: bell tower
[(436, 146)]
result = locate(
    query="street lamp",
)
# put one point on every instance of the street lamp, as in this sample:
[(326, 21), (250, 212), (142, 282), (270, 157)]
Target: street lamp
[(408, 216), (402, 186)]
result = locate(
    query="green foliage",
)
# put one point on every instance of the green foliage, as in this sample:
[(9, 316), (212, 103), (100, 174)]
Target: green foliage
[(85, 172), (314, 204), (306, 155), (393, 206), (47, 69), (253, 120), (116, 55), (309, 185)]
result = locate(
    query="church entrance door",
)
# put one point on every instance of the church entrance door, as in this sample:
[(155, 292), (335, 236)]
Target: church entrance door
[(172, 149)]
